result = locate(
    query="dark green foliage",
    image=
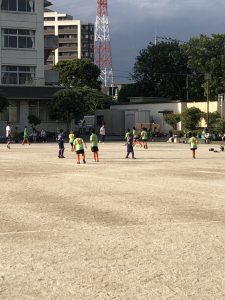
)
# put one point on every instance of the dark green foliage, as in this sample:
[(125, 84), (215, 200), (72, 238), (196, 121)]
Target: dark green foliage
[(33, 120), (220, 126), (206, 54), (129, 90), (67, 105), (160, 70), (78, 73), (190, 118), (94, 99), (214, 118), (172, 119)]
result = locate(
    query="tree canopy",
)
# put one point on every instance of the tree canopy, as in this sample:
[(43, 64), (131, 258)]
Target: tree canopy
[(66, 105), (78, 73), (33, 120), (206, 55), (172, 119), (171, 69), (160, 70), (191, 117), (94, 99)]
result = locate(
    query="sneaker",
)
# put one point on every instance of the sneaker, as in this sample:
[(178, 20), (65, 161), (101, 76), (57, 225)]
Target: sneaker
[(78, 162), (133, 157), (97, 160), (62, 156), (8, 146), (84, 161)]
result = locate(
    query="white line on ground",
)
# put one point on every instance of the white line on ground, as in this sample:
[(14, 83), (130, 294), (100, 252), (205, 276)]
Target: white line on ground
[(72, 229)]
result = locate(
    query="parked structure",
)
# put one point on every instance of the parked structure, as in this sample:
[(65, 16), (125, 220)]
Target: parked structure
[(142, 110), (76, 39)]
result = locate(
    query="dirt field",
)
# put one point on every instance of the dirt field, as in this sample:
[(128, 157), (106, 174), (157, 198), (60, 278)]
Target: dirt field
[(151, 228)]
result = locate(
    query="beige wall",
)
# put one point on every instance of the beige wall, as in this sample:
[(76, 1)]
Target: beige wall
[(213, 107)]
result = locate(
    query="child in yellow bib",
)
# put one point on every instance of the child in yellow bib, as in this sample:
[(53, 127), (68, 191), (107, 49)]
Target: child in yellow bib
[(79, 145)]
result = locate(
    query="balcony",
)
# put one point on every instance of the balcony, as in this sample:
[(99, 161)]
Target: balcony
[(50, 44)]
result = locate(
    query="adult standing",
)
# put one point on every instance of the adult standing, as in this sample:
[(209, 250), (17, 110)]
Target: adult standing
[(8, 133), (102, 133), (43, 136)]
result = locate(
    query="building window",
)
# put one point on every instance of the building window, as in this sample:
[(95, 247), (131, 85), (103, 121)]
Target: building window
[(18, 5), (23, 75), (49, 19), (49, 28), (40, 109), (18, 38)]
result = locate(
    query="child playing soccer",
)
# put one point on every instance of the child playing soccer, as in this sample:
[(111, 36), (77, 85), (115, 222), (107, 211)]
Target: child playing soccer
[(136, 136), (144, 138), (25, 136), (193, 144), (60, 140), (130, 148), (71, 139), (94, 145), (79, 144)]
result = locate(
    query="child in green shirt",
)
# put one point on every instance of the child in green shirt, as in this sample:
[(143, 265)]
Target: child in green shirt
[(71, 139), (79, 144), (193, 144), (94, 145)]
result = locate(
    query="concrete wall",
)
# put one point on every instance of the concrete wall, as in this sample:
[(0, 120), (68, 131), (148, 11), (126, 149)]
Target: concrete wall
[(113, 119), (213, 107), (154, 110)]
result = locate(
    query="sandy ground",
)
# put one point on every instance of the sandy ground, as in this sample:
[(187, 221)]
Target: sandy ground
[(151, 228)]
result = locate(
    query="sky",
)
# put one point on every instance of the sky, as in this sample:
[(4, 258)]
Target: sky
[(134, 24)]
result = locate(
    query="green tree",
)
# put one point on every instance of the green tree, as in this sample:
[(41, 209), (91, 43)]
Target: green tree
[(220, 126), (160, 70), (66, 105), (127, 91), (94, 99), (214, 118), (191, 117), (3, 102), (172, 119), (78, 73), (33, 121), (206, 54)]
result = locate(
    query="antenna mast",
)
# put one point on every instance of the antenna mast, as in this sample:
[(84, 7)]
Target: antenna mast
[(102, 46)]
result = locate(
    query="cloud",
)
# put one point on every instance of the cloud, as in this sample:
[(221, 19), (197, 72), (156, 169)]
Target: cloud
[(133, 23)]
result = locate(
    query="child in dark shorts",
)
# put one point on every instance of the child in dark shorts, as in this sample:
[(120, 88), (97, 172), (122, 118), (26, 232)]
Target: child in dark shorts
[(60, 140), (94, 145), (130, 148), (79, 144)]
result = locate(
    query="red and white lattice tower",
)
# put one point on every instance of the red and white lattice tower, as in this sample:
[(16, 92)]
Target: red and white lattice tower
[(102, 48)]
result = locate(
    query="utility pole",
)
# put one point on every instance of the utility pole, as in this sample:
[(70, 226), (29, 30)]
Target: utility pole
[(102, 46), (207, 78), (187, 87)]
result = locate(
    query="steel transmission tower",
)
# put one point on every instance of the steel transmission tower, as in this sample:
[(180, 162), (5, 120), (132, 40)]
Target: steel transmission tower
[(102, 48)]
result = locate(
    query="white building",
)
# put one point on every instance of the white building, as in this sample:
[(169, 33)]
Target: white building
[(76, 39), (21, 49), (22, 54), (146, 110)]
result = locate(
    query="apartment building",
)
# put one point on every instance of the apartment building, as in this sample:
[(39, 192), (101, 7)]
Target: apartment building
[(76, 39), (22, 55)]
